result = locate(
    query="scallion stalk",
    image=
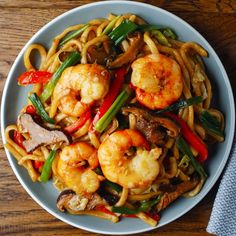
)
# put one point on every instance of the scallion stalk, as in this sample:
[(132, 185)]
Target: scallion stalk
[(184, 148), (40, 109), (73, 35), (120, 32), (148, 27), (161, 38), (105, 120), (168, 32), (110, 26), (181, 104), (145, 206), (112, 185), (211, 124), (47, 167), (71, 60)]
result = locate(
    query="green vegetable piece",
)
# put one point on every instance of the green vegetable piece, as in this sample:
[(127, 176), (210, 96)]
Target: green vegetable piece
[(98, 171), (184, 148), (112, 185), (73, 35), (148, 27), (181, 104), (110, 26), (160, 37), (105, 120), (168, 32), (71, 60), (145, 206), (124, 210), (40, 109), (120, 32), (184, 161), (47, 167), (211, 124)]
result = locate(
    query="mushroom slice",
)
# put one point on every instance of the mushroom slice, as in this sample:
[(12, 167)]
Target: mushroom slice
[(72, 202), (38, 135), (154, 128), (136, 43), (63, 199)]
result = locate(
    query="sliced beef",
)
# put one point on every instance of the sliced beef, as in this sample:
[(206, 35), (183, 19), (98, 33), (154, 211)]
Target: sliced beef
[(38, 135)]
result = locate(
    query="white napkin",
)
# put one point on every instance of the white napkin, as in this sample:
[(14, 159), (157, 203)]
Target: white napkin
[(223, 217)]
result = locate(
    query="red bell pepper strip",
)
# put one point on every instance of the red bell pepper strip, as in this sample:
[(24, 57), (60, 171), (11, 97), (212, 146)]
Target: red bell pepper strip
[(154, 216), (18, 139), (192, 139), (103, 209), (112, 94), (79, 123), (30, 109), (34, 77), (38, 164)]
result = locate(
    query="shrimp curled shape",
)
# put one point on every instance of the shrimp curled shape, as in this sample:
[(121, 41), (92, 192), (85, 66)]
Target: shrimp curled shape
[(135, 171), (78, 88), (75, 166), (157, 80)]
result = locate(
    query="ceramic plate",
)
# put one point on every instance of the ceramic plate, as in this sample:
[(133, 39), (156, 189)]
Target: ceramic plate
[(14, 98)]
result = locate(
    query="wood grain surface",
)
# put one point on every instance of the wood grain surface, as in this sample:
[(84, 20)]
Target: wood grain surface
[(19, 20)]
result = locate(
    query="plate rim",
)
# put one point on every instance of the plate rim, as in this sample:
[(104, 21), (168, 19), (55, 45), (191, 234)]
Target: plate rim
[(146, 5)]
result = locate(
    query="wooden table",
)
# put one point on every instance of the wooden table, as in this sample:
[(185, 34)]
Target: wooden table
[(19, 20)]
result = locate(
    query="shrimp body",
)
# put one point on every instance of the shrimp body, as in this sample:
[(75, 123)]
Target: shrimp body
[(75, 167), (157, 80), (79, 87), (135, 171)]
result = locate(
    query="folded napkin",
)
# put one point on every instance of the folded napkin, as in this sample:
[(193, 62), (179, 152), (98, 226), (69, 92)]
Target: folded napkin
[(223, 217)]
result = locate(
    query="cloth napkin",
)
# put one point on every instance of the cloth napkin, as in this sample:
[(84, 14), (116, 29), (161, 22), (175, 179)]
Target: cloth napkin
[(223, 217)]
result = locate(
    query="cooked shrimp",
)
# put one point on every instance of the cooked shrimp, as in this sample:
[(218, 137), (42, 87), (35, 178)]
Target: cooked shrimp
[(134, 171), (157, 80), (75, 167), (78, 88)]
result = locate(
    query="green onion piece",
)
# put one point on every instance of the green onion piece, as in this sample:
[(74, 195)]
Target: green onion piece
[(181, 104), (40, 109), (124, 210), (110, 26), (73, 35), (146, 205), (71, 60), (47, 167), (211, 124), (147, 27), (120, 32), (112, 185), (98, 171), (184, 161), (184, 148), (160, 37), (105, 120), (168, 32)]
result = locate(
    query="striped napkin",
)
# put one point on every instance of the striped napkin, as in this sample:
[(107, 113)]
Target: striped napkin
[(223, 217)]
